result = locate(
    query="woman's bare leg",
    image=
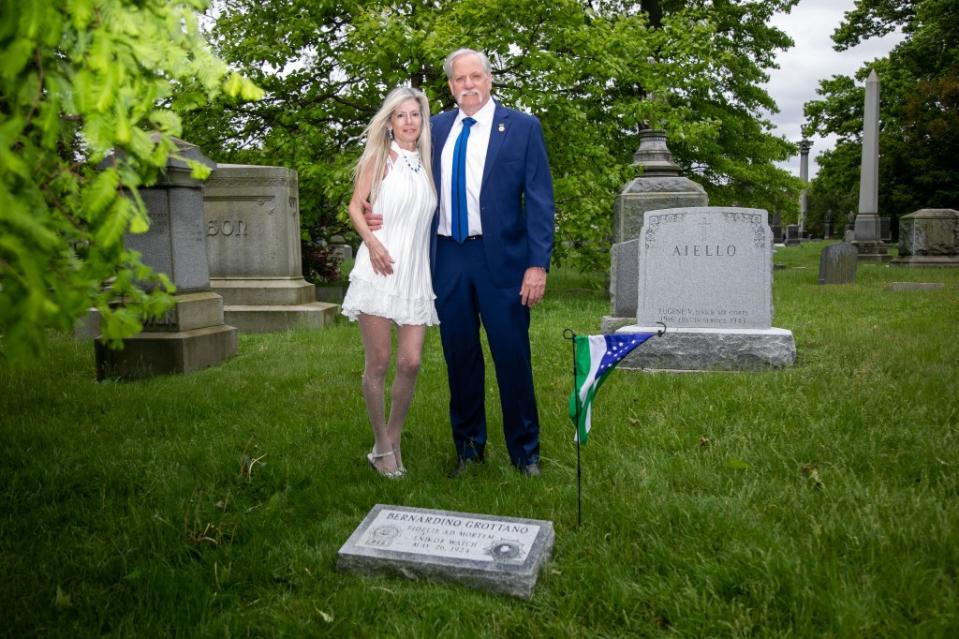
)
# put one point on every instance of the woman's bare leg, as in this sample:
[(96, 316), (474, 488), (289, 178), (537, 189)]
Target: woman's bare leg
[(376, 345), (408, 350)]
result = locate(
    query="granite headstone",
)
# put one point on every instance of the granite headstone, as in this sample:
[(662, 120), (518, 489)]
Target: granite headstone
[(837, 264), (253, 239), (792, 235), (706, 272), (192, 335), (498, 554)]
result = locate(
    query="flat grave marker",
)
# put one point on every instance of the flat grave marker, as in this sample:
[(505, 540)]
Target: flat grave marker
[(499, 554)]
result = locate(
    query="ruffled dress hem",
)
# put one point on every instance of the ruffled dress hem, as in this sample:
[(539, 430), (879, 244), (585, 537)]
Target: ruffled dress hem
[(362, 298)]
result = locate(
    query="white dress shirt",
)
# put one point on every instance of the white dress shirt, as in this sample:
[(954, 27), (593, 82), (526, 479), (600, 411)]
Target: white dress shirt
[(475, 163)]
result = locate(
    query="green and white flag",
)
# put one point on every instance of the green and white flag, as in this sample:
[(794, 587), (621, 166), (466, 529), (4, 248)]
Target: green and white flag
[(596, 357)]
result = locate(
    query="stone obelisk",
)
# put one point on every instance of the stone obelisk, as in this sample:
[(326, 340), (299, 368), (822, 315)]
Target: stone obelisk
[(867, 231)]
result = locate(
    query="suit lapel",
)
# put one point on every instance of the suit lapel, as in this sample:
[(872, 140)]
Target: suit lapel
[(441, 130), (496, 137)]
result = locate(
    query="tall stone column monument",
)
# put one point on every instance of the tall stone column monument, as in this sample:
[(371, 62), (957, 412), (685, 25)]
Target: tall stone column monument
[(867, 235), (660, 185), (804, 147)]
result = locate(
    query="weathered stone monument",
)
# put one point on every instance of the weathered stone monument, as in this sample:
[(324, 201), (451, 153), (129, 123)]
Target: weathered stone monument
[(837, 264), (929, 237), (659, 185), (341, 250), (253, 238), (792, 235), (192, 335), (706, 272), (868, 236), (498, 554), (804, 147)]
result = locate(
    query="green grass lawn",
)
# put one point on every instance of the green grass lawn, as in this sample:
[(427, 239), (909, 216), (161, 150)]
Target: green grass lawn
[(820, 500)]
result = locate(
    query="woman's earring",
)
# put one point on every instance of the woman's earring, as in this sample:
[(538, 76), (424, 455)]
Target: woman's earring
[(389, 134)]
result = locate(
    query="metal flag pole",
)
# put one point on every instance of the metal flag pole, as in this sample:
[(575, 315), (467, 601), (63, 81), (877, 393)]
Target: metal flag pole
[(571, 336)]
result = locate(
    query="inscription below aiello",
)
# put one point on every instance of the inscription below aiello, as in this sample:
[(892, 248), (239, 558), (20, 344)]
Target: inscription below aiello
[(234, 228), (702, 316), (703, 250)]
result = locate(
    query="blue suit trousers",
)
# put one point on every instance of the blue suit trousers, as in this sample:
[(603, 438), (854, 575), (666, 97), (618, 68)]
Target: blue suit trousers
[(466, 298)]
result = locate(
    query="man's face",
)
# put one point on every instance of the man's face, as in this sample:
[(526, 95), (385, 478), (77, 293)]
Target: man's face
[(470, 83)]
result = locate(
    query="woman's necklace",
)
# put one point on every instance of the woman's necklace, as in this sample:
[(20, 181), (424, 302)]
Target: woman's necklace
[(415, 168)]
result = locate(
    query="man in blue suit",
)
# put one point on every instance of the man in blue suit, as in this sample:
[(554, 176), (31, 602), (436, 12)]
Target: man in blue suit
[(489, 254), (496, 271)]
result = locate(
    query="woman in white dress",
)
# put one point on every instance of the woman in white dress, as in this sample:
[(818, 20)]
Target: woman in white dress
[(390, 282)]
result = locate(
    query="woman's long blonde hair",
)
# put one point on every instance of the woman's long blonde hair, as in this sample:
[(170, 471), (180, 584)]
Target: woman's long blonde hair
[(378, 139)]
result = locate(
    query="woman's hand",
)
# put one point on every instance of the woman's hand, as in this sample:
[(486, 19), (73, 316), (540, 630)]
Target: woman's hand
[(379, 257)]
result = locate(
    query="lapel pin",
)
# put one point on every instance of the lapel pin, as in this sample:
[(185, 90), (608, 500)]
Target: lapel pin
[(502, 127)]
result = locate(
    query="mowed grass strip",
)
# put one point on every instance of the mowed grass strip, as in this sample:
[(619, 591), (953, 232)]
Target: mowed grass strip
[(820, 500)]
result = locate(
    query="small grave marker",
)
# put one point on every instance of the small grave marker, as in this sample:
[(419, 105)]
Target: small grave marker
[(837, 264), (499, 554)]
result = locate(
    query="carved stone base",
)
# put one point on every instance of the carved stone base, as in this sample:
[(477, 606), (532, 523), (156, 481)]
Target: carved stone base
[(875, 251), (927, 260), (165, 352), (272, 318), (251, 291), (712, 349)]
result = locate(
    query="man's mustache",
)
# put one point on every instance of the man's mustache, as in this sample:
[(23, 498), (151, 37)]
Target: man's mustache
[(468, 92)]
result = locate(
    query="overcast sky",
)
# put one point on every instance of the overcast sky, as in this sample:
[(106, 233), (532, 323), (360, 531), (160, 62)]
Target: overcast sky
[(812, 59)]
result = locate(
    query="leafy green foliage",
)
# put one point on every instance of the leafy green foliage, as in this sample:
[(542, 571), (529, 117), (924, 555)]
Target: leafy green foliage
[(919, 111), (78, 80), (594, 73)]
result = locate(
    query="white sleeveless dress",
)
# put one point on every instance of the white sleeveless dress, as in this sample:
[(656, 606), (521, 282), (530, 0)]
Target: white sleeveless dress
[(407, 203)]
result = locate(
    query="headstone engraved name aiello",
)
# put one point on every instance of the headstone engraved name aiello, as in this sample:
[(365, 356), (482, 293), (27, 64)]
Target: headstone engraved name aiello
[(706, 267), (706, 272), (499, 554)]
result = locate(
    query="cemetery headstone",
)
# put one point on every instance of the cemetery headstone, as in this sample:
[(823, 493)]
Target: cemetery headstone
[(929, 237), (341, 250), (660, 184), (192, 335), (885, 228), (837, 264), (776, 228), (792, 235), (253, 238), (706, 272), (498, 554)]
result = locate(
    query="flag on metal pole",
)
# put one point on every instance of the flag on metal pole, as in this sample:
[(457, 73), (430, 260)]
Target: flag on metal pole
[(595, 357)]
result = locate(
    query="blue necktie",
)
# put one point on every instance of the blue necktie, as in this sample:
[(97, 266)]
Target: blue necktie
[(459, 218)]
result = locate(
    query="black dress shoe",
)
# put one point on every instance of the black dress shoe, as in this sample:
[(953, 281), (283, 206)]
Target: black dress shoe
[(531, 470), (462, 466)]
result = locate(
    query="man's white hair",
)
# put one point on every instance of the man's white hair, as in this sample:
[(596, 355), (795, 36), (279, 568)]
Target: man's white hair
[(448, 63)]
